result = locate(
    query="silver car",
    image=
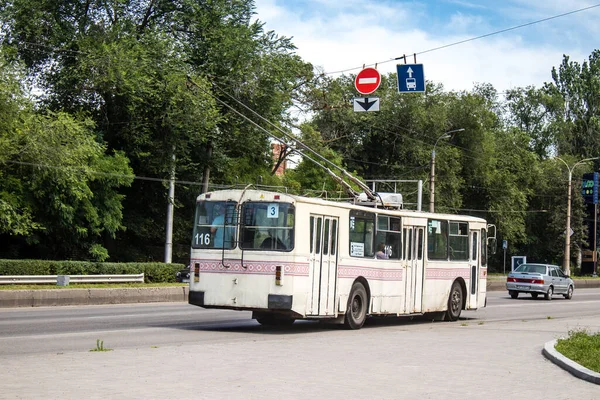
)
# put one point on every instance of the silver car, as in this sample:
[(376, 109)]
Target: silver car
[(537, 279)]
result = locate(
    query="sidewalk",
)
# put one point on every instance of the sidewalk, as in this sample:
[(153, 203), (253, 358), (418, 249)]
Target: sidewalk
[(82, 297)]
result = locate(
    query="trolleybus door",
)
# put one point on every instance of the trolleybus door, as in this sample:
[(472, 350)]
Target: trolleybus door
[(474, 264), (413, 245), (323, 264)]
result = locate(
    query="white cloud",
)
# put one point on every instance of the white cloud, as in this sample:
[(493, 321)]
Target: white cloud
[(342, 35)]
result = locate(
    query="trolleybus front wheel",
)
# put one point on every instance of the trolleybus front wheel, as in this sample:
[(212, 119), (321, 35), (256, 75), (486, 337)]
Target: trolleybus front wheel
[(455, 301), (356, 312)]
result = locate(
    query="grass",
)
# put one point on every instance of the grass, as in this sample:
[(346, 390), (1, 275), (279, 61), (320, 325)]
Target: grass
[(100, 346), (90, 286), (581, 347)]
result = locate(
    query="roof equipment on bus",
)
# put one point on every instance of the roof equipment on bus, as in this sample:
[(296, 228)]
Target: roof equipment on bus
[(385, 200)]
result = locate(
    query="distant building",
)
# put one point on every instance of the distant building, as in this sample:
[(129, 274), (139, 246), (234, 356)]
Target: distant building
[(277, 149)]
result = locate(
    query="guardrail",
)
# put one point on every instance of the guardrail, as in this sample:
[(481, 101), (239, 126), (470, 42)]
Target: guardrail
[(53, 279)]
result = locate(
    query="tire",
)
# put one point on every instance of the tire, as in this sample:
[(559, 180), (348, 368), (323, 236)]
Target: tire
[(534, 295), (513, 294), (569, 294), (549, 293), (356, 311), (455, 302)]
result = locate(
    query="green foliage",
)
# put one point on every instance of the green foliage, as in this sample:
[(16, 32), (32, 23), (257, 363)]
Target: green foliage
[(582, 347), (148, 74), (153, 272), (155, 89)]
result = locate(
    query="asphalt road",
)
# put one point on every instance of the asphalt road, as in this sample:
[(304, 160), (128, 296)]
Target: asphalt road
[(173, 350)]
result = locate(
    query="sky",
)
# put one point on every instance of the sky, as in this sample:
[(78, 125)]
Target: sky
[(344, 35)]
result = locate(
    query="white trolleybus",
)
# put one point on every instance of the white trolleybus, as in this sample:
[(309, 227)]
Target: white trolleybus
[(287, 257)]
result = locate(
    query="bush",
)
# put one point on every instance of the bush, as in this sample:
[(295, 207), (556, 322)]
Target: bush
[(153, 272)]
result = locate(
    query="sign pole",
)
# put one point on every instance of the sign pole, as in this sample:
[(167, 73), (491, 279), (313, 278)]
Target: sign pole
[(504, 246), (595, 258)]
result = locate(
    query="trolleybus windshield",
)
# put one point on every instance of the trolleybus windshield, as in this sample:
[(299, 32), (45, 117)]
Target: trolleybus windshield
[(267, 226), (215, 225)]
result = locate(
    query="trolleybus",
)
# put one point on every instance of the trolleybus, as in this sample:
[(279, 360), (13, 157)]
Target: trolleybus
[(286, 257)]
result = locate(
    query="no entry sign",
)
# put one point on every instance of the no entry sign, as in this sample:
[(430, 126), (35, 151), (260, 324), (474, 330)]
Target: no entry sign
[(367, 81)]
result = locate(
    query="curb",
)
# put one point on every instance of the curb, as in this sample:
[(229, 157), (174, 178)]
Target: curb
[(79, 297), (569, 365)]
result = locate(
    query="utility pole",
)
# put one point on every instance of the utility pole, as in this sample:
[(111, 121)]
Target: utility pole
[(446, 135), (567, 258), (170, 212)]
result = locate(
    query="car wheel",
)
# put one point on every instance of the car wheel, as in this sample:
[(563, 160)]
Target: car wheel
[(549, 293), (513, 294), (356, 312), (569, 294), (534, 295), (455, 301)]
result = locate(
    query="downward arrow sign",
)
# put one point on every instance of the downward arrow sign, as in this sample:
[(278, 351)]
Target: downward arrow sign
[(366, 104), (409, 71)]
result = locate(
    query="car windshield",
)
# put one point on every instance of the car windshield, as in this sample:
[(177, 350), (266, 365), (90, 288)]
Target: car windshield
[(538, 269)]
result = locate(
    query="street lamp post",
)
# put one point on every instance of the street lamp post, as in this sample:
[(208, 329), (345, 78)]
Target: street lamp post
[(567, 259), (446, 135)]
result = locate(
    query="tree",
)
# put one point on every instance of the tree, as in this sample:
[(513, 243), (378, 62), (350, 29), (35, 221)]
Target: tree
[(58, 187), (157, 78)]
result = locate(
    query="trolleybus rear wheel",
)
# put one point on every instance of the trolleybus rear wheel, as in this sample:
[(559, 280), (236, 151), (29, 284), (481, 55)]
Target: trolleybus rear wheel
[(356, 312), (455, 301)]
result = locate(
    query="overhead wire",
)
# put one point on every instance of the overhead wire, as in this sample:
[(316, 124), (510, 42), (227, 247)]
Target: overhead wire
[(54, 49), (470, 39), (345, 173), (349, 189)]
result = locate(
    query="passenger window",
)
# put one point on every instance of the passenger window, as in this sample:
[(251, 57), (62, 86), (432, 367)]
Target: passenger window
[(333, 237), (318, 242), (420, 244), (389, 236), (326, 238), (474, 247), (410, 244), (553, 273), (459, 241), (362, 233), (404, 241), (437, 239)]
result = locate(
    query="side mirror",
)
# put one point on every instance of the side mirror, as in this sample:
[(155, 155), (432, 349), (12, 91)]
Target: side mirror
[(492, 245)]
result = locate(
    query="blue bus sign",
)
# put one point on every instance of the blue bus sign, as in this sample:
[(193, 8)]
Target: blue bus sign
[(411, 78), (589, 188)]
